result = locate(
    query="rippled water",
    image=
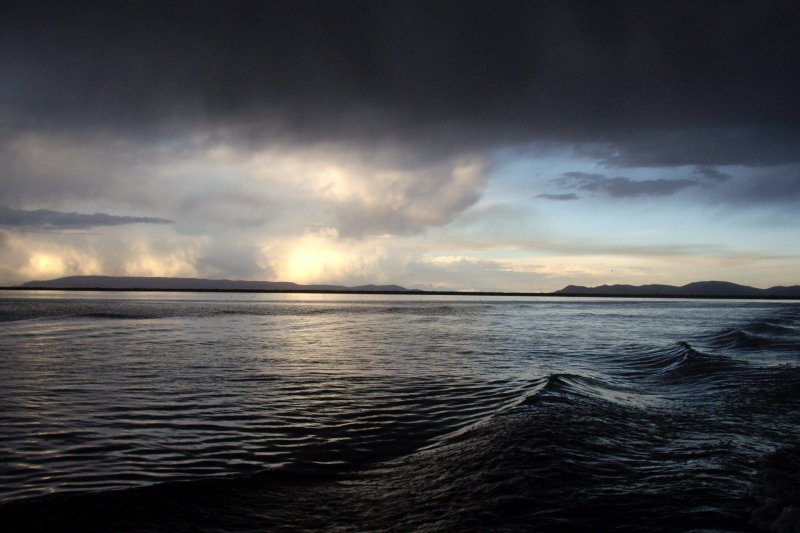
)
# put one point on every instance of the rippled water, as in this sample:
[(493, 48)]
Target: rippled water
[(179, 411)]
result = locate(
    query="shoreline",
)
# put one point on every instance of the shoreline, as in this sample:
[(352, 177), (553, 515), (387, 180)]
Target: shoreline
[(416, 293)]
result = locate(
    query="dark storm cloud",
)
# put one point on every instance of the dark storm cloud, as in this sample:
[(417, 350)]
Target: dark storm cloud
[(43, 219), (701, 83), (620, 187), (706, 147)]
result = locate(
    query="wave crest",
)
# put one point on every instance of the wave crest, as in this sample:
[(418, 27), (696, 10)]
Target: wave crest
[(567, 387)]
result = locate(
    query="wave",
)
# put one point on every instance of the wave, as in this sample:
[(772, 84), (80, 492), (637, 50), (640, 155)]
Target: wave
[(775, 327), (679, 364), (566, 387), (779, 332), (691, 364), (740, 339)]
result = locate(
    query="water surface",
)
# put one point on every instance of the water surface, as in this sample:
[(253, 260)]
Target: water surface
[(206, 411)]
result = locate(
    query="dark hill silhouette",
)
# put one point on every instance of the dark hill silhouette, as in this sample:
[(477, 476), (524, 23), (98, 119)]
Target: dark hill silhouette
[(717, 289), (159, 283), (700, 289)]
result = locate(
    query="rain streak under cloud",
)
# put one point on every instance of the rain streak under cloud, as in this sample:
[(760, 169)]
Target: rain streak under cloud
[(496, 146)]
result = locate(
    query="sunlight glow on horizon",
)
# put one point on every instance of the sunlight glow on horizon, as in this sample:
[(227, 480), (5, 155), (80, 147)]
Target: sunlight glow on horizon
[(316, 215)]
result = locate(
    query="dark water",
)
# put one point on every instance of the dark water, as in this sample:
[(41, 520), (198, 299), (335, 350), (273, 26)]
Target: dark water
[(198, 412)]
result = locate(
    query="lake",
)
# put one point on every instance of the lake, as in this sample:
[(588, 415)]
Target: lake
[(230, 411)]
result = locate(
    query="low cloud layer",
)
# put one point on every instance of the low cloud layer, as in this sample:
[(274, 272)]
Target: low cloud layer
[(43, 219), (711, 174), (620, 187), (565, 197)]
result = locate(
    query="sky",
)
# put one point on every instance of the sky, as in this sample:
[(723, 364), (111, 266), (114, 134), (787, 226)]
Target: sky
[(468, 145)]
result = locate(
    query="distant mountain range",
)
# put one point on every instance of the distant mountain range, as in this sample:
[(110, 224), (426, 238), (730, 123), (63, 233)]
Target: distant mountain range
[(189, 284), (700, 289), (715, 289)]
